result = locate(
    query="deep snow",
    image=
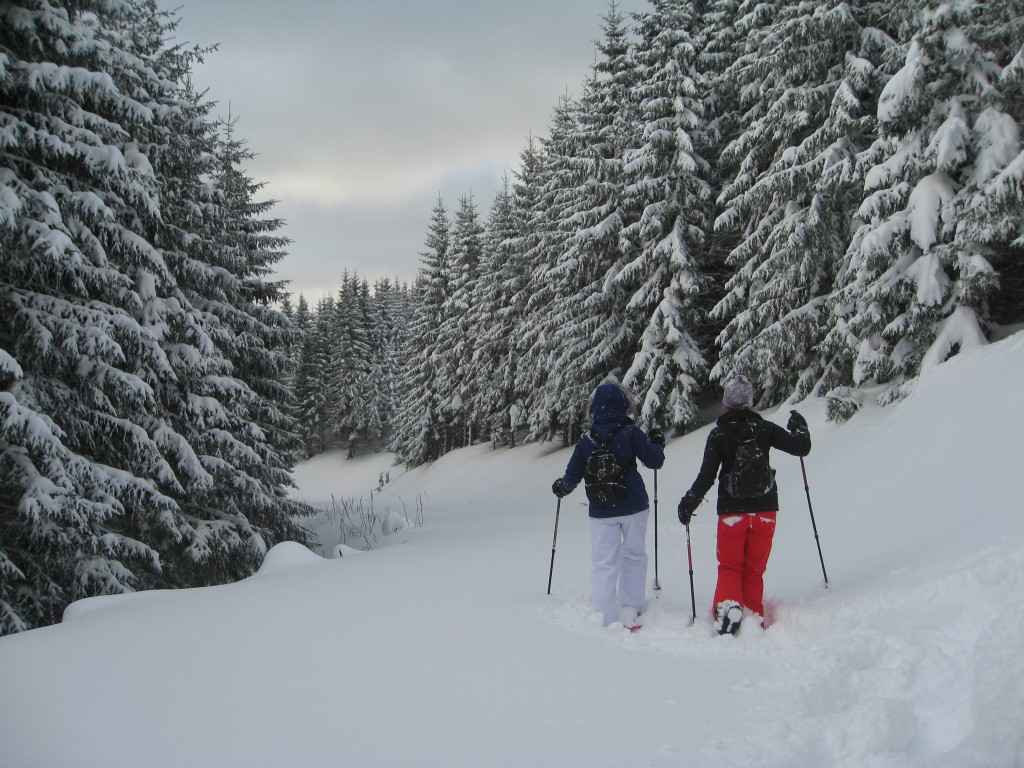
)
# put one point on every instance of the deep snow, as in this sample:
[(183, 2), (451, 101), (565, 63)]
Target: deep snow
[(440, 647)]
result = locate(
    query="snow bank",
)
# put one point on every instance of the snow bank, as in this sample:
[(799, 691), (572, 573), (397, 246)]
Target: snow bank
[(442, 649), (286, 556)]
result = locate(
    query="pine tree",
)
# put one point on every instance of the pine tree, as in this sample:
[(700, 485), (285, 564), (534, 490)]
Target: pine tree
[(492, 371), (515, 240), (363, 332), (120, 296), (418, 435), (993, 221), (720, 42), (346, 374), (459, 334), (220, 421), (806, 79), (594, 336), (386, 338), (253, 432), (540, 303), (301, 322), (314, 397), (911, 293), (293, 341), (667, 185), (302, 363)]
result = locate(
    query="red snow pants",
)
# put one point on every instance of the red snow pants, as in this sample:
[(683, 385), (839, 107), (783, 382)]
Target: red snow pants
[(744, 543)]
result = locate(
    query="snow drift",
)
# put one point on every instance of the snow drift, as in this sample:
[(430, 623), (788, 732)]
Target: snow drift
[(440, 647)]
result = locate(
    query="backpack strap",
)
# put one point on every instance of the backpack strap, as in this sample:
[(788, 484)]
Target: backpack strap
[(743, 433), (606, 443)]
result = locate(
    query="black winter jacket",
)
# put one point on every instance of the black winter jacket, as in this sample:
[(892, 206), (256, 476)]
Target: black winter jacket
[(721, 449)]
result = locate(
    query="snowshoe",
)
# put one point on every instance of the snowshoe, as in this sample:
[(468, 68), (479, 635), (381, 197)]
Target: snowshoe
[(728, 615), (632, 620)]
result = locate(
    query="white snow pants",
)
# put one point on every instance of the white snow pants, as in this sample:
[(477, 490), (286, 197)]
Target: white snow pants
[(618, 547)]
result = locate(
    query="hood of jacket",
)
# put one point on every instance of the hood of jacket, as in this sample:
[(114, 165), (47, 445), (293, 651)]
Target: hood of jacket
[(609, 405)]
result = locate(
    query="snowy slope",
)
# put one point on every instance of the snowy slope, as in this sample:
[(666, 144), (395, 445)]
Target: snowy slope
[(440, 647)]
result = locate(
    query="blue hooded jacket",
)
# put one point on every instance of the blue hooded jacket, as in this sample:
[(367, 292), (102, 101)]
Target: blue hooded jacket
[(609, 411)]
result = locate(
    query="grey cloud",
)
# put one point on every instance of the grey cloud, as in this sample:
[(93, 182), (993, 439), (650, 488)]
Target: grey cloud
[(362, 112)]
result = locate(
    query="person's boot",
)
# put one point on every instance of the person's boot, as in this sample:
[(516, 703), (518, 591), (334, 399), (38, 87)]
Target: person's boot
[(728, 615)]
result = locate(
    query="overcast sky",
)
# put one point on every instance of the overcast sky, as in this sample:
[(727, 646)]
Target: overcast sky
[(362, 112)]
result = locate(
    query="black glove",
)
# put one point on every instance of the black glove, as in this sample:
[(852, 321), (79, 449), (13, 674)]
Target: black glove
[(558, 488), (686, 508), (656, 436), (797, 423)]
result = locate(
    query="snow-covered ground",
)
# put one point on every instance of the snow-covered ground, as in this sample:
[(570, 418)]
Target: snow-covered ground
[(441, 648)]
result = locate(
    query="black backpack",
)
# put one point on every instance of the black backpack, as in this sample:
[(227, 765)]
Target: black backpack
[(750, 476), (604, 477)]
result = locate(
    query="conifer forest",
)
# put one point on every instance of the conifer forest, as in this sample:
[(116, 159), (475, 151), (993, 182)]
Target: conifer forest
[(827, 197)]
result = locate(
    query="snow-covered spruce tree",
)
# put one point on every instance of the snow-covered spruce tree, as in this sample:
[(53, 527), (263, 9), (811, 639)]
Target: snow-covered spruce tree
[(224, 405), (79, 359), (594, 334), (253, 434), (314, 396), (418, 435), (804, 80), (492, 371), (347, 368), (294, 339), (303, 381), (720, 41), (540, 303), (386, 336), (108, 337), (914, 287), (459, 334), (74, 184), (993, 220), (299, 317), (666, 183), (303, 323), (364, 332), (524, 234), (303, 394)]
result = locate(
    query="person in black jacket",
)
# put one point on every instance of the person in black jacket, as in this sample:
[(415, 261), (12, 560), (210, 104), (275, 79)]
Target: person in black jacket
[(618, 531), (746, 518)]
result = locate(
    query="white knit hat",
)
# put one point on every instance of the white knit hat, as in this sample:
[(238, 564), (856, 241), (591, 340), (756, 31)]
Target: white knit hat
[(739, 393)]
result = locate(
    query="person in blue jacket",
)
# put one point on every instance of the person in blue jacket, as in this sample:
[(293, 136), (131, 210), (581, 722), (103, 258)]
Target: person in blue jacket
[(618, 532)]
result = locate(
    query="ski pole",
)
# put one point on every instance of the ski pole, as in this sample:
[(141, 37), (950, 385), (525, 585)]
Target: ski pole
[(657, 584), (551, 570), (689, 557), (807, 490)]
